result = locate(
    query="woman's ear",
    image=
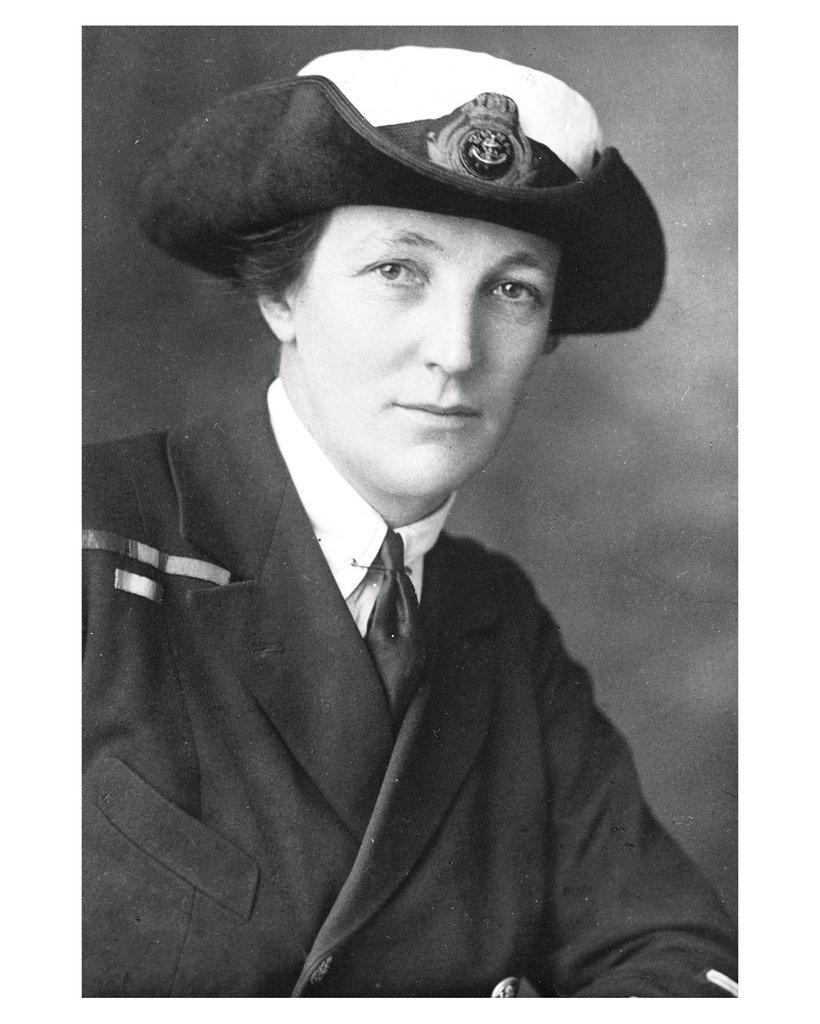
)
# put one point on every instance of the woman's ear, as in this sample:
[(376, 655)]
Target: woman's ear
[(278, 315)]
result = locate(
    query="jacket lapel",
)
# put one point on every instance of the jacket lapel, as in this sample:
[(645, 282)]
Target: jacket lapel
[(438, 744), (284, 628), (287, 634)]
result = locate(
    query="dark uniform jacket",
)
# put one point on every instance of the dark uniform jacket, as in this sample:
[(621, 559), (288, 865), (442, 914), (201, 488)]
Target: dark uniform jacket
[(254, 828)]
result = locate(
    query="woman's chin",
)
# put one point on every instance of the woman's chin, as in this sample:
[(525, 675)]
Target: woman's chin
[(424, 483)]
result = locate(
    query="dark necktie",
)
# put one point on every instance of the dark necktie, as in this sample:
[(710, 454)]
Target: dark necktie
[(393, 631)]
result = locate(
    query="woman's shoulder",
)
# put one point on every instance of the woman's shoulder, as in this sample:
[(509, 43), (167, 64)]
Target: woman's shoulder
[(470, 556), (117, 476), (501, 577)]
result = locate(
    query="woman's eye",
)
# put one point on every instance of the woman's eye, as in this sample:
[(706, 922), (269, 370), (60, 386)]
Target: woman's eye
[(516, 292), (391, 271)]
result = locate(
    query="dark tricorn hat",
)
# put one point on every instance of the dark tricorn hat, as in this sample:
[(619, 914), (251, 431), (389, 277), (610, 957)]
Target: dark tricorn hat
[(441, 130)]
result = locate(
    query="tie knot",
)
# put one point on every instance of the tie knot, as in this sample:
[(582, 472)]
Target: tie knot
[(391, 553)]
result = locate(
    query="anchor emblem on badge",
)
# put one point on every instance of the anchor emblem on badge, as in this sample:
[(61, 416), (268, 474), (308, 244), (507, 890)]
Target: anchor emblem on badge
[(484, 141), (487, 153)]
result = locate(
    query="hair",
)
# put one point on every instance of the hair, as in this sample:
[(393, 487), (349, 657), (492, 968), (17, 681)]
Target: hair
[(270, 262)]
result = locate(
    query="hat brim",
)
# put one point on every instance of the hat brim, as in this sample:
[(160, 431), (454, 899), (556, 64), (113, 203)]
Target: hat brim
[(279, 152)]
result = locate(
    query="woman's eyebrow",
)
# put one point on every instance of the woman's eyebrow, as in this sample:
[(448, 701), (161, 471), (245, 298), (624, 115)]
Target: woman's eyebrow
[(401, 238), (525, 258)]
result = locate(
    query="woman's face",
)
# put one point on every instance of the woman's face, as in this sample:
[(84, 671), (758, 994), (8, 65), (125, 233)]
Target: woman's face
[(406, 345)]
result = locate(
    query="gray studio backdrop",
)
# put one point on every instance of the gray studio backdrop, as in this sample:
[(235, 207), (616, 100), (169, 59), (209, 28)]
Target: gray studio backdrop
[(616, 487)]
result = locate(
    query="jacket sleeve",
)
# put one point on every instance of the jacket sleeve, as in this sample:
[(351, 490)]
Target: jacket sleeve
[(630, 914), (132, 702)]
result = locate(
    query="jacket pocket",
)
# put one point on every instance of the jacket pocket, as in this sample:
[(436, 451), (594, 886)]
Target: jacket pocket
[(182, 844)]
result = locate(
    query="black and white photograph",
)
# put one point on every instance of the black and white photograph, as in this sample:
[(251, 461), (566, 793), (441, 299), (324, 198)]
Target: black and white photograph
[(409, 511)]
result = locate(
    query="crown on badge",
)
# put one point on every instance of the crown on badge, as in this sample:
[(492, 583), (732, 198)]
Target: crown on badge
[(484, 141)]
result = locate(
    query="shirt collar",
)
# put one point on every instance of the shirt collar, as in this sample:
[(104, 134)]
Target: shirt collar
[(349, 530)]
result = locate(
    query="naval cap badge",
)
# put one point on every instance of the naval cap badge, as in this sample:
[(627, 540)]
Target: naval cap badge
[(483, 140)]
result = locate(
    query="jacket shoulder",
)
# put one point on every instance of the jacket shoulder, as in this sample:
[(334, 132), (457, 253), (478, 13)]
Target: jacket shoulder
[(501, 576), (467, 555), (118, 476)]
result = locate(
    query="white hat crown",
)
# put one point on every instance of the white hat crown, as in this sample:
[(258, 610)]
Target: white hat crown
[(419, 83)]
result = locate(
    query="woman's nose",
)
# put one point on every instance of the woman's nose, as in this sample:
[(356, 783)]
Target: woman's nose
[(449, 334)]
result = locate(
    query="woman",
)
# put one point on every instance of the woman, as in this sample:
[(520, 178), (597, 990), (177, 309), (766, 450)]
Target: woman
[(331, 750)]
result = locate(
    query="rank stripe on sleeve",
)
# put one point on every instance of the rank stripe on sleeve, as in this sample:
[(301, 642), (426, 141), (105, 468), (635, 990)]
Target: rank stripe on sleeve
[(172, 565), (132, 583)]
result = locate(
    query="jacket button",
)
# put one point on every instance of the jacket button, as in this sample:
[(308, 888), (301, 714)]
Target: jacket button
[(320, 971)]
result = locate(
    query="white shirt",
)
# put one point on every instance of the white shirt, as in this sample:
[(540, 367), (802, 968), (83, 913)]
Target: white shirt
[(349, 530)]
